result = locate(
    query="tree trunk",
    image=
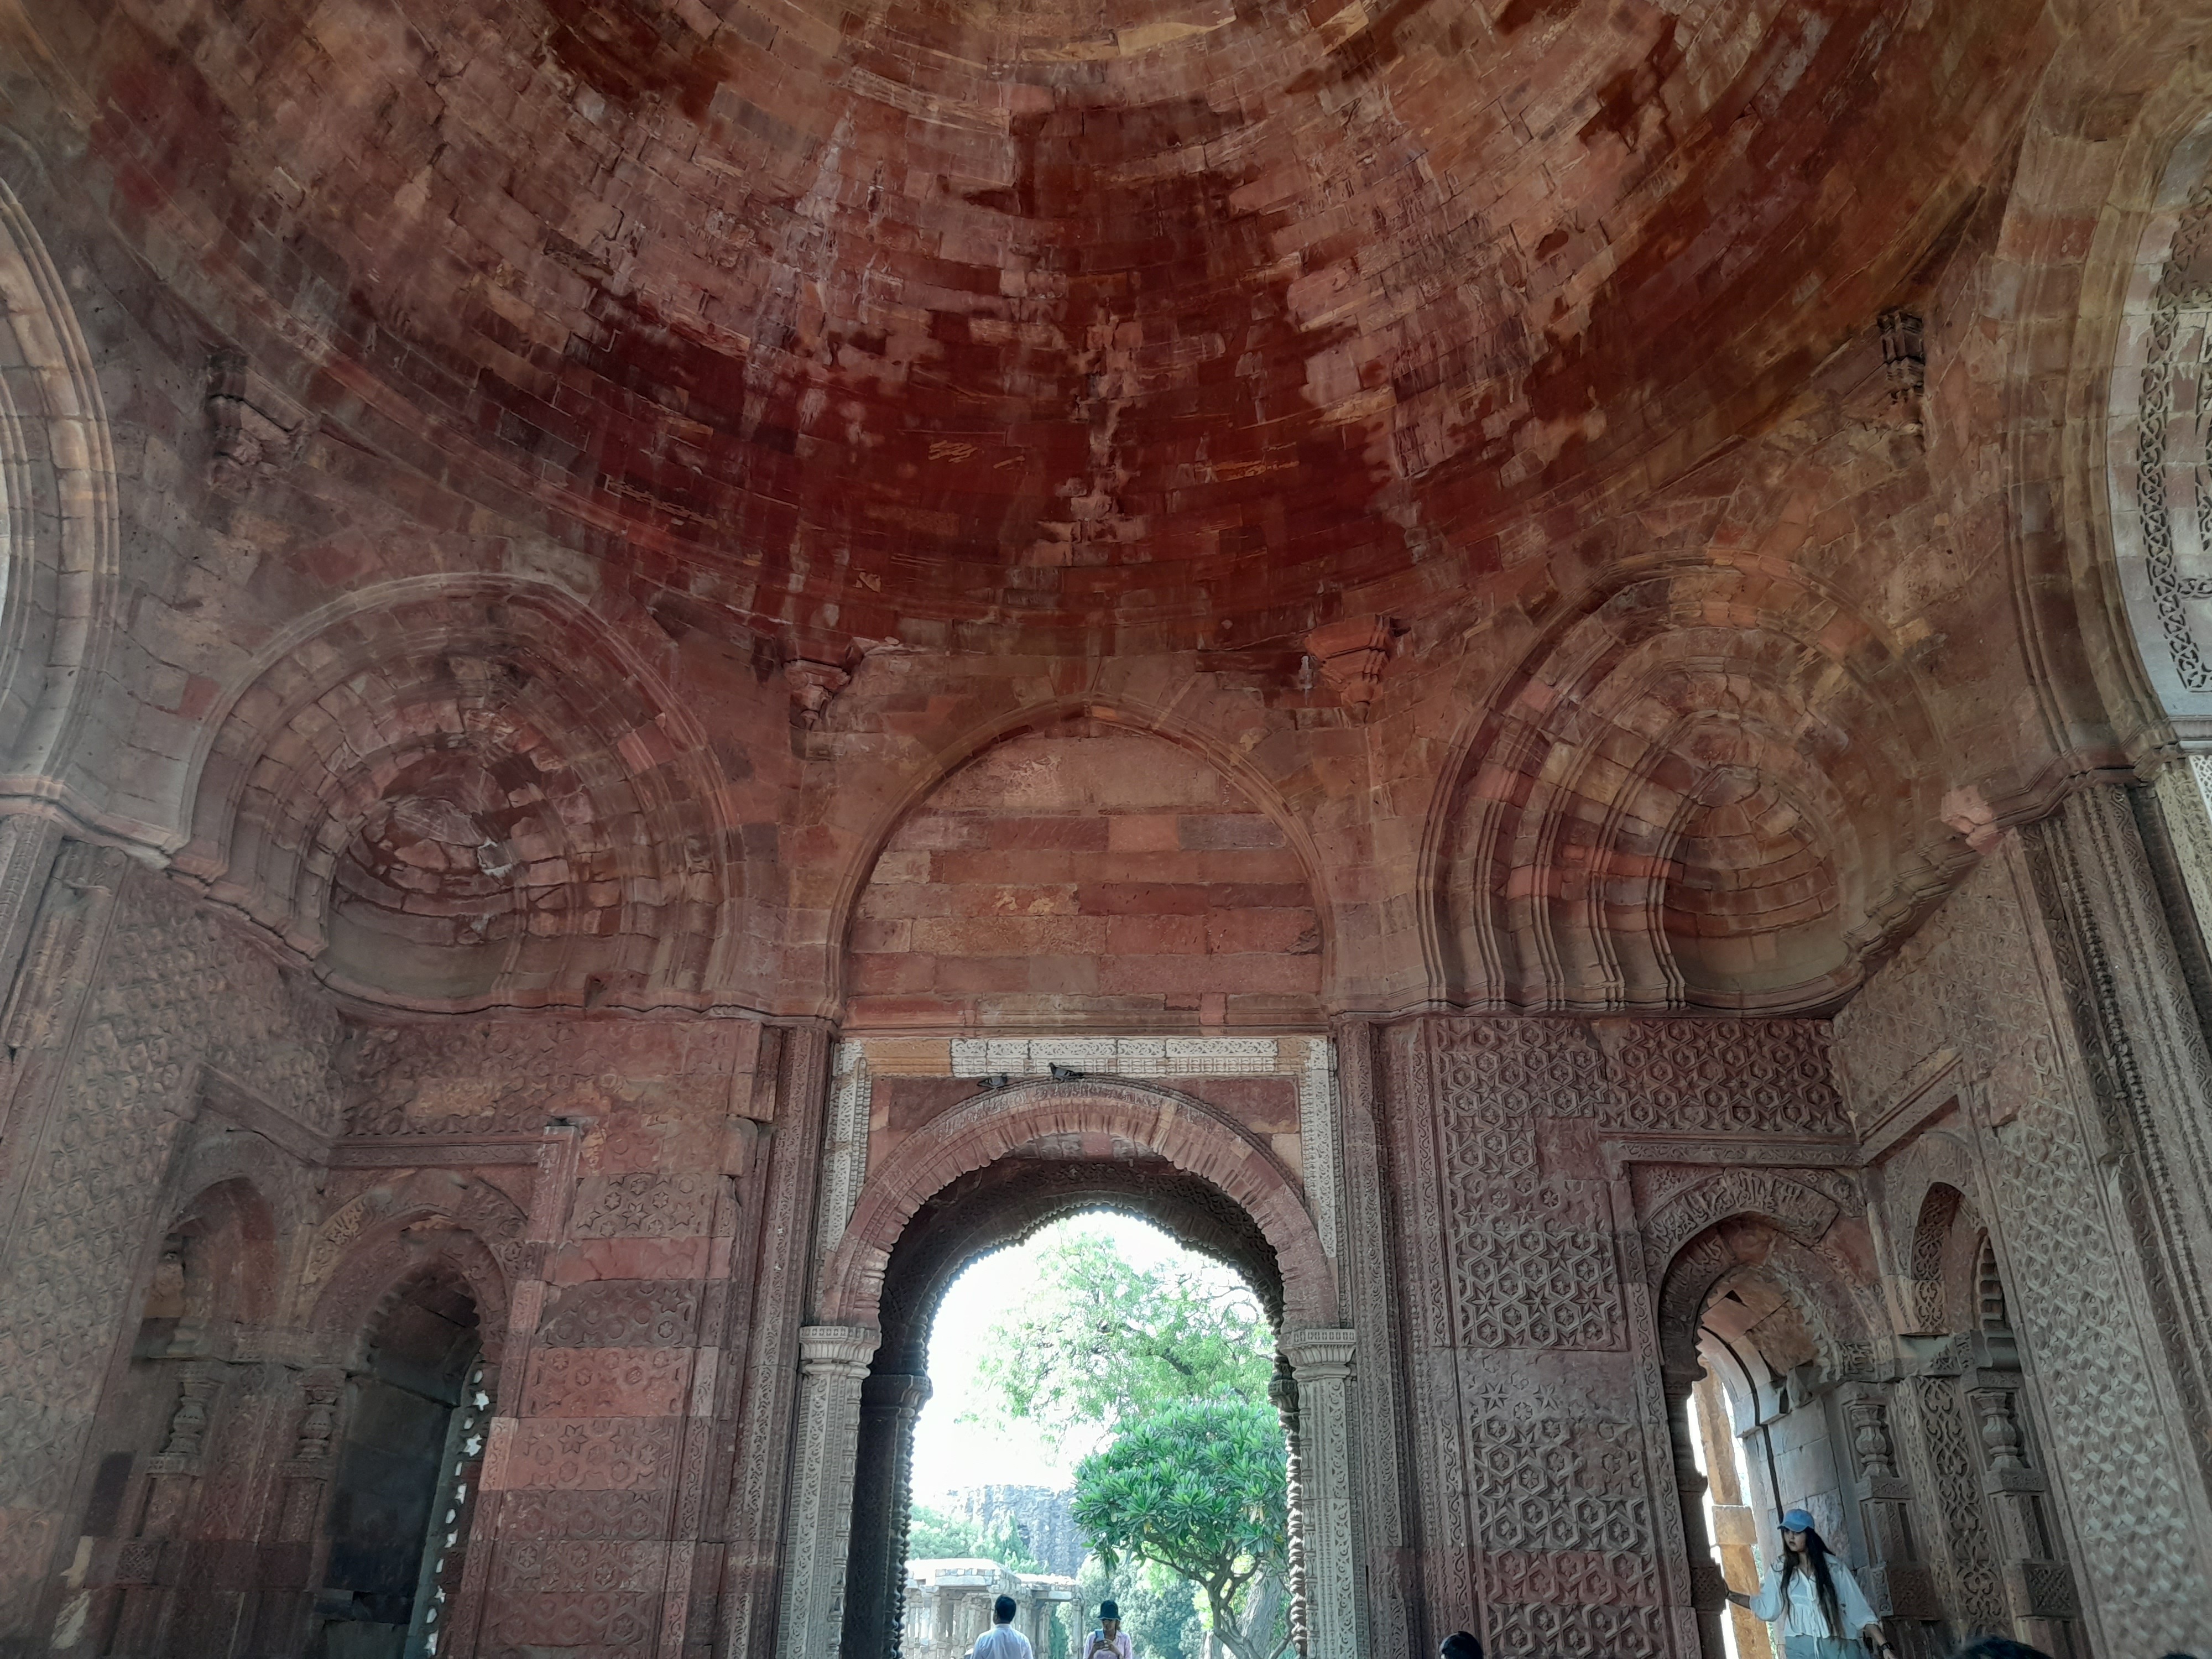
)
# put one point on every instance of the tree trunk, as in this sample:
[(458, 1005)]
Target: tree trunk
[(1247, 1639), (1261, 1612)]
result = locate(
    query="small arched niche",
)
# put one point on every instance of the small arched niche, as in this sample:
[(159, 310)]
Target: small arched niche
[(1000, 1205)]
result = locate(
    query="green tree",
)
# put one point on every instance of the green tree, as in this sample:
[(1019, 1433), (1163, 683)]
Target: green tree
[(932, 1535), (1103, 1342), (1199, 1487)]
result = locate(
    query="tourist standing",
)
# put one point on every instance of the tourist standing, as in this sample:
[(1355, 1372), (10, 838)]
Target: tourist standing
[(1109, 1640), (1814, 1597), (1002, 1640)]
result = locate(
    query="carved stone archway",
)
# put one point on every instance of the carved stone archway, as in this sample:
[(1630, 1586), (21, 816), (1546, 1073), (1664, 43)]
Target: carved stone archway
[(983, 1211), (977, 1178)]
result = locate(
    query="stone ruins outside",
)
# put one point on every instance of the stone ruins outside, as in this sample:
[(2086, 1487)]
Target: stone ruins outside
[(1538, 670)]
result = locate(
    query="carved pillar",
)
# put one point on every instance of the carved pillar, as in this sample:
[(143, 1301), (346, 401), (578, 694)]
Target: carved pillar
[(302, 1488), (1321, 1364), (943, 1631), (1898, 1583), (882, 1481), (1372, 1284), (1283, 1392), (782, 1238), (1707, 1589), (2039, 1586), (146, 1567), (833, 1365)]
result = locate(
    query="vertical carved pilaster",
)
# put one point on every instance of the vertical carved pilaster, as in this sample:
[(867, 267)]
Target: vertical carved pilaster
[(309, 1473), (1372, 1286), (845, 1150), (1321, 1364), (60, 959), (1283, 1393), (2038, 1584), (188, 1423), (1897, 1584), (2136, 1021), (783, 1244), (833, 1364), (1871, 1443), (2000, 1429), (28, 845), (1708, 1589)]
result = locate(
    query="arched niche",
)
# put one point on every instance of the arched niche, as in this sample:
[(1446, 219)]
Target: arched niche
[(1707, 785), (1760, 1293), (460, 792), (393, 1532), (1083, 863), (60, 527), (215, 1276)]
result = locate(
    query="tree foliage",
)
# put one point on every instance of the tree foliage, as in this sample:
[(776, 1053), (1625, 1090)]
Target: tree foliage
[(1105, 1342), (934, 1535), (1199, 1487)]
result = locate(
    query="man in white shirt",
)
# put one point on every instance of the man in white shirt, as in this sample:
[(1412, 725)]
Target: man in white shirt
[(1813, 1596), (1002, 1640)]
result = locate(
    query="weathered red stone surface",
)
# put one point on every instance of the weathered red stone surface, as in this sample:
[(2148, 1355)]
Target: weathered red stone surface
[(1517, 630)]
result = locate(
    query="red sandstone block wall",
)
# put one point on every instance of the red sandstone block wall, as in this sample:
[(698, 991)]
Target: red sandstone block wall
[(1096, 874)]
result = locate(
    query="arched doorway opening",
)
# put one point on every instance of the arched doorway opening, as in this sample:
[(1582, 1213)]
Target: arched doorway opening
[(986, 1210), (414, 1416), (1998, 1552), (1777, 1400), (1179, 1159)]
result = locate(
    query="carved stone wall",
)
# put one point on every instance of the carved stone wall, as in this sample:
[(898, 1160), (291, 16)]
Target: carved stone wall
[(103, 1080), (1969, 1029), (632, 1481), (1546, 1511)]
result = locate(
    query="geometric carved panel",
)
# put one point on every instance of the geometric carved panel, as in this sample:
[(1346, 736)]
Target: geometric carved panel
[(1534, 1284), (622, 1314)]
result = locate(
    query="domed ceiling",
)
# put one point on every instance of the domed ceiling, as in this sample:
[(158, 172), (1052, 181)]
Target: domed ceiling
[(1092, 323)]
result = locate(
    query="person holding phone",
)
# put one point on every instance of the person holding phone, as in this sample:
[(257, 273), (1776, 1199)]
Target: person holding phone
[(1109, 1640)]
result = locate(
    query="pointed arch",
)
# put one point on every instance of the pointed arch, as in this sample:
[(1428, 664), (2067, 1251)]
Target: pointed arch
[(1185, 1131)]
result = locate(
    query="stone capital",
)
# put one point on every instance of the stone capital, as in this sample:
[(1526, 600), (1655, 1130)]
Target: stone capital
[(896, 1391), (837, 1350), (1319, 1353)]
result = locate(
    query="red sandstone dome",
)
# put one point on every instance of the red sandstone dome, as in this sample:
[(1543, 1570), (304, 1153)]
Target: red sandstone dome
[(1114, 325)]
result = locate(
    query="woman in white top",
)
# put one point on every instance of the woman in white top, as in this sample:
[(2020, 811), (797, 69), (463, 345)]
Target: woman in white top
[(1819, 1604)]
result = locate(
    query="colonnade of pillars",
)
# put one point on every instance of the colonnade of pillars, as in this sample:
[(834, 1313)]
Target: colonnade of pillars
[(948, 1605)]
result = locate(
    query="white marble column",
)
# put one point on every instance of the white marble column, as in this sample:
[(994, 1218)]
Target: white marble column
[(1321, 1363), (833, 1362)]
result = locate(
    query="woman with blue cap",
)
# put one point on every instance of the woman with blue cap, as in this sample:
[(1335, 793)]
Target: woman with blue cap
[(1814, 1598)]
